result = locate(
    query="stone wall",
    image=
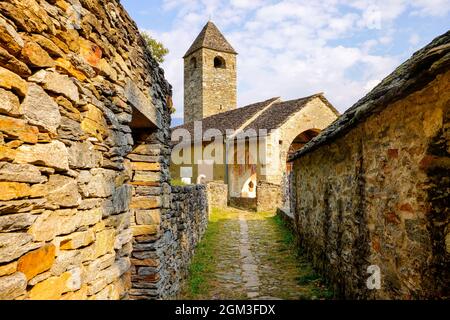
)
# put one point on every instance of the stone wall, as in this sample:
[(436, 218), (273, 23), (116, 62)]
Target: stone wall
[(78, 92), (165, 238), (243, 203), (217, 194), (193, 93), (189, 209), (219, 84), (208, 90), (378, 194), (268, 196)]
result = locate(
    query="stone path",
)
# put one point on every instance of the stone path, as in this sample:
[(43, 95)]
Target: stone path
[(247, 255), (248, 263)]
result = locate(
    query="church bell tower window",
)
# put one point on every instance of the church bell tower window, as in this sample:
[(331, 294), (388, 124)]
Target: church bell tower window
[(219, 63)]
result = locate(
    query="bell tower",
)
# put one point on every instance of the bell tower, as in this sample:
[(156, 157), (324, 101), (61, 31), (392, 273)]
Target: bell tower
[(209, 75)]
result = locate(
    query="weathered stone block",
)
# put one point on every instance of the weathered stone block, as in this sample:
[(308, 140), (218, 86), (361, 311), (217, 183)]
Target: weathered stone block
[(77, 240), (20, 173), (16, 128), (59, 190), (81, 294), (123, 238), (144, 217), (13, 245), (144, 230), (121, 199), (60, 84), (146, 176), (52, 223), (12, 286), (7, 154), (10, 103), (14, 190), (104, 242), (150, 202), (35, 56), (15, 222), (37, 261), (145, 166), (99, 183), (94, 123), (147, 149), (41, 110), (67, 67), (8, 269), (21, 206), (9, 38), (53, 155), (12, 81), (13, 64), (52, 288), (49, 46), (83, 155), (143, 158)]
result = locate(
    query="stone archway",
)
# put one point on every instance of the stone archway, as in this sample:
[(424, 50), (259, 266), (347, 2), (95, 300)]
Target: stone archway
[(286, 185)]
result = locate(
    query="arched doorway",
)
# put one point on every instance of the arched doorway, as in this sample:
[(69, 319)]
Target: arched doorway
[(287, 182)]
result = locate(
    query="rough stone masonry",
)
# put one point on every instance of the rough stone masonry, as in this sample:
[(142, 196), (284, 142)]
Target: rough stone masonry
[(373, 188), (85, 203)]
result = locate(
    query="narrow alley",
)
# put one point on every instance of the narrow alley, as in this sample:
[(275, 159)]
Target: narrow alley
[(248, 255)]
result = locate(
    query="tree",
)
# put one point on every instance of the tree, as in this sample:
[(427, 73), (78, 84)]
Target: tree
[(156, 48)]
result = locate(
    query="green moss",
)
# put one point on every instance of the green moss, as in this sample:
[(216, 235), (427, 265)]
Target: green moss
[(202, 266), (283, 271), (177, 183)]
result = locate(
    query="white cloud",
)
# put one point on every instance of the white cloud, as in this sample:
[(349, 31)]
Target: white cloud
[(431, 7), (290, 48), (414, 39)]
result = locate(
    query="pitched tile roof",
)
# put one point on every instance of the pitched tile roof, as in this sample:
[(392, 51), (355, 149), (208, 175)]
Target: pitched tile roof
[(273, 114), (278, 113), (414, 74), (210, 37), (232, 119)]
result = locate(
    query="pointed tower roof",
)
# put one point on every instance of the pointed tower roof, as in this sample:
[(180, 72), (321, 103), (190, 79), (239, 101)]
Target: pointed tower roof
[(210, 37)]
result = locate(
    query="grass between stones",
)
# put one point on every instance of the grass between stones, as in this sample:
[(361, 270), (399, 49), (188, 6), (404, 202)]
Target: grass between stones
[(215, 271), (308, 278)]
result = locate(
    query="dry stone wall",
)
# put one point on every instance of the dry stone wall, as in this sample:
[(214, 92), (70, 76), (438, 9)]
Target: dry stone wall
[(84, 118), (268, 196), (217, 194), (189, 214), (378, 195)]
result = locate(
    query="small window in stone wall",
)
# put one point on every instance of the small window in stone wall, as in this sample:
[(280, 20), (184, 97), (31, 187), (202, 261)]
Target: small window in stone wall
[(219, 63), (193, 63)]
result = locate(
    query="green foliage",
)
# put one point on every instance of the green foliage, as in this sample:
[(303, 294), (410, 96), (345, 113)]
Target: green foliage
[(202, 265), (288, 237), (156, 48), (177, 183)]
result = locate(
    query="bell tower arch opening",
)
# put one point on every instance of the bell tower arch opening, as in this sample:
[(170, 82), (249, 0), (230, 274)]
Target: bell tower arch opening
[(210, 79)]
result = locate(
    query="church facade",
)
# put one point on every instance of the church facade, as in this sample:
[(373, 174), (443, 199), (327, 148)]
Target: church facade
[(245, 148)]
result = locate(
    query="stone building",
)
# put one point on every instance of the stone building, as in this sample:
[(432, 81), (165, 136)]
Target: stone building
[(373, 188), (209, 75), (280, 127), (86, 209)]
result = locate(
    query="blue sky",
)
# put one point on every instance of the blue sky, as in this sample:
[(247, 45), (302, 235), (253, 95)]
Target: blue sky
[(294, 48)]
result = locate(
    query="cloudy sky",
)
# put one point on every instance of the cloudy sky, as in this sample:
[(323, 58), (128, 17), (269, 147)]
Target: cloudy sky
[(294, 48)]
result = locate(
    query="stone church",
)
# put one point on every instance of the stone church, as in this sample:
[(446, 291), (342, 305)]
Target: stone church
[(280, 127)]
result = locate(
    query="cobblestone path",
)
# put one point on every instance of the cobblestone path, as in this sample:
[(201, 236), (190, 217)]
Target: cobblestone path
[(248, 255)]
